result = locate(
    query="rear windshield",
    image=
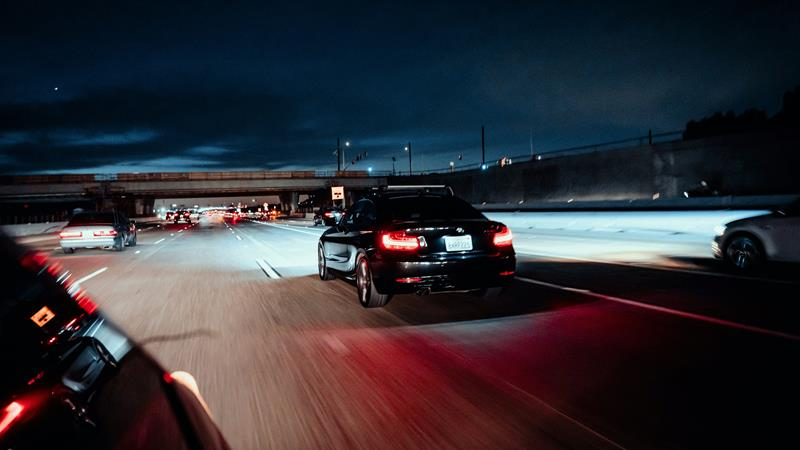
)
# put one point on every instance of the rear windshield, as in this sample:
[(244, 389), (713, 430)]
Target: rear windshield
[(92, 219), (430, 208)]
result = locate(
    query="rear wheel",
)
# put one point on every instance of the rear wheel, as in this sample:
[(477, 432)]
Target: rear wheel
[(368, 295), (68, 250), (322, 264), (744, 252)]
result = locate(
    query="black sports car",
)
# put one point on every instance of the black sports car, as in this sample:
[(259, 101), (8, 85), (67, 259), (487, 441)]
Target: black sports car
[(416, 239)]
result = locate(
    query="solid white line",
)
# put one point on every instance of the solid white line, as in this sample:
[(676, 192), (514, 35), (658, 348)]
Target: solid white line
[(662, 309), (91, 275), (655, 267), (267, 268), (289, 228), (159, 241)]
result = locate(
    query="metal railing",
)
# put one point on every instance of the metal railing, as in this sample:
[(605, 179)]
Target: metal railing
[(650, 139)]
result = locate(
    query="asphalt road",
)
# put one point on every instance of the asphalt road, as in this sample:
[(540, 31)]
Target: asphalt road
[(661, 351)]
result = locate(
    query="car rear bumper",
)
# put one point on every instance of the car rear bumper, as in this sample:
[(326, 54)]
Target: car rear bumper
[(446, 275), (87, 242)]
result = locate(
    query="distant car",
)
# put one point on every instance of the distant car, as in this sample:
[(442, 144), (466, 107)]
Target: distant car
[(748, 243), (98, 229), (168, 216), (328, 216), (71, 379), (416, 240), (182, 215)]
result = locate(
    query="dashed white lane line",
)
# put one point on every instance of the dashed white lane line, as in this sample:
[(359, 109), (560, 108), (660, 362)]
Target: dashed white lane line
[(137, 252), (238, 237), (665, 310), (289, 228), (159, 241), (91, 275), (267, 269)]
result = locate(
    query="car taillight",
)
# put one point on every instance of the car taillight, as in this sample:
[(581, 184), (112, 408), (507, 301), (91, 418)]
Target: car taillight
[(9, 415), (503, 237), (105, 233), (399, 240), (69, 234), (329, 214)]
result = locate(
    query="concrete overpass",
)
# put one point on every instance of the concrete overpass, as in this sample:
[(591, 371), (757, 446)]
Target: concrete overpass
[(136, 192)]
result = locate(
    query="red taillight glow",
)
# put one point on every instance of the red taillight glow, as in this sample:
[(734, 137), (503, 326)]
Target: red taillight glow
[(69, 234), (399, 240), (409, 280), (329, 214), (85, 302), (105, 233), (503, 237), (10, 414), (507, 273)]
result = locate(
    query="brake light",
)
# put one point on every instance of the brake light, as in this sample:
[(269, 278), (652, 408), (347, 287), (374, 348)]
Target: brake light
[(85, 303), (399, 240), (10, 414), (409, 280), (105, 233), (328, 214), (69, 234), (503, 237)]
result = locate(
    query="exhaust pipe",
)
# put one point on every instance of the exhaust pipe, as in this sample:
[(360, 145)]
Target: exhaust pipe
[(424, 291)]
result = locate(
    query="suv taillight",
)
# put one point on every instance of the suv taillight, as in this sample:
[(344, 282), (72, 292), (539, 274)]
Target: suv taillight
[(503, 237), (399, 240), (105, 233), (69, 234)]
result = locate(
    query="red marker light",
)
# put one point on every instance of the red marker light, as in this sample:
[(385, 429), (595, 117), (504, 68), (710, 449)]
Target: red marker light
[(10, 414), (399, 240), (507, 273), (409, 280), (503, 237)]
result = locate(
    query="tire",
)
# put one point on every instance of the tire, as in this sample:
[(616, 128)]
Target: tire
[(324, 273), (368, 295), (119, 245), (68, 251), (744, 252)]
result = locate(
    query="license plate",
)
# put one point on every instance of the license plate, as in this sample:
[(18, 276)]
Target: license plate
[(43, 316), (458, 243)]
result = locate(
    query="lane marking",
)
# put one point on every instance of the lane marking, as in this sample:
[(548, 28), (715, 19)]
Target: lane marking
[(159, 241), (289, 228), (238, 237), (268, 270), (654, 267), (137, 252), (665, 310), (91, 275)]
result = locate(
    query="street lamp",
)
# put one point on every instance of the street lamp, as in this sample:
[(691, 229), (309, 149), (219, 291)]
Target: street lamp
[(339, 152)]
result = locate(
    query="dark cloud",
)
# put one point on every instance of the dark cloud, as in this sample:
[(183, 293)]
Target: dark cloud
[(211, 86)]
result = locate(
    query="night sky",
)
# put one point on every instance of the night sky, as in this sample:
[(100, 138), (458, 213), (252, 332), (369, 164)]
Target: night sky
[(135, 87)]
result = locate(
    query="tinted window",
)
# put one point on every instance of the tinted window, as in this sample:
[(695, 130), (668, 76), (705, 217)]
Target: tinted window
[(92, 219), (429, 208)]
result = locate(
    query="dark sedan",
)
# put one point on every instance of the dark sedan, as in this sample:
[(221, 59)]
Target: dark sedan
[(416, 240)]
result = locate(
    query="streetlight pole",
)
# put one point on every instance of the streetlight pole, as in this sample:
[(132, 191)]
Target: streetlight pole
[(408, 148), (338, 156)]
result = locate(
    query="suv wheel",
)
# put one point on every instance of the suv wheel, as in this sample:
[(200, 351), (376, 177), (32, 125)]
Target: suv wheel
[(324, 273), (368, 295), (68, 250)]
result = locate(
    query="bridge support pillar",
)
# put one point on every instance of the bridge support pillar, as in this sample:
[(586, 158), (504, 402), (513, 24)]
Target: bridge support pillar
[(289, 200)]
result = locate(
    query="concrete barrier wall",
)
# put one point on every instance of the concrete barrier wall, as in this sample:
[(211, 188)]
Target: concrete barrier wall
[(748, 164)]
